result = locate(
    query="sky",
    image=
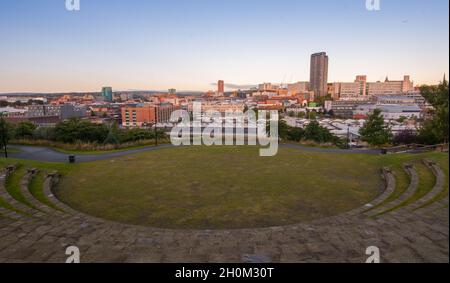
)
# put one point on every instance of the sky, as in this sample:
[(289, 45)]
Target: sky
[(191, 44)]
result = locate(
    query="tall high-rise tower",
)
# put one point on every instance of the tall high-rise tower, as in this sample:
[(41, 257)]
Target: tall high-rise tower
[(220, 87), (319, 74), (107, 94)]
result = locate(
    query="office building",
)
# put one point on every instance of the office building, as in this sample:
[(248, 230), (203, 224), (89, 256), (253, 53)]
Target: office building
[(220, 87), (360, 88), (107, 94), (138, 115), (319, 74), (389, 111), (141, 115), (389, 87)]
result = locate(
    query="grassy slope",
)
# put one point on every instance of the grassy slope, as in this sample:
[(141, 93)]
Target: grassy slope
[(426, 177), (36, 189), (178, 188), (13, 184), (219, 187), (223, 187), (62, 168)]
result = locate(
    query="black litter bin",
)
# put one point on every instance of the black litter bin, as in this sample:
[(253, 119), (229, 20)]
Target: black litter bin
[(384, 151), (72, 159)]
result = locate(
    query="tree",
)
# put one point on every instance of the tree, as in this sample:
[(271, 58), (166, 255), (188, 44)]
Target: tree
[(45, 133), (374, 131), (24, 130), (402, 119), (436, 129), (112, 137), (312, 115), (74, 130), (4, 134), (295, 134), (321, 100), (283, 129), (317, 133)]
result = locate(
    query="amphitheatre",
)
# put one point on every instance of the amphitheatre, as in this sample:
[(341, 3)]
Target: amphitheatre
[(224, 204)]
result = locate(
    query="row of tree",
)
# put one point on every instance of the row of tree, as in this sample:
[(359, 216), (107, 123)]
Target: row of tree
[(312, 132), (434, 130), (75, 130)]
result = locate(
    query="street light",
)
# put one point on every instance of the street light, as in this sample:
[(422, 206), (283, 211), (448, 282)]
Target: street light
[(156, 133), (156, 127), (348, 136), (150, 125), (4, 134)]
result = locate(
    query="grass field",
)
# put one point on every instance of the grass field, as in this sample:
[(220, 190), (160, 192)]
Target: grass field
[(227, 187)]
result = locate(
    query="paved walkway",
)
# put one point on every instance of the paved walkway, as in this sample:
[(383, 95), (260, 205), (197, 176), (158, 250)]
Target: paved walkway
[(46, 154), (413, 237)]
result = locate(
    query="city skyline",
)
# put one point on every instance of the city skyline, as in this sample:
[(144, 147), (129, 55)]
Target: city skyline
[(189, 45)]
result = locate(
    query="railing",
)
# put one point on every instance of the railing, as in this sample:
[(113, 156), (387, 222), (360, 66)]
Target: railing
[(417, 148)]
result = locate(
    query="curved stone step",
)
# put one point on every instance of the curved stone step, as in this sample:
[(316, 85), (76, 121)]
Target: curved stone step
[(53, 178), (390, 188), (50, 180), (412, 188), (24, 188), (349, 216), (437, 189), (5, 221), (146, 243), (424, 207), (436, 212), (4, 211), (11, 200), (440, 204), (10, 214)]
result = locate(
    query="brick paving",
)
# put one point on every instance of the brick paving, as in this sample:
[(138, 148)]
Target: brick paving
[(415, 233)]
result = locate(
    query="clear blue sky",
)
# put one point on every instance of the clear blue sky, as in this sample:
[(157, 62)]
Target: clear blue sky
[(189, 44)]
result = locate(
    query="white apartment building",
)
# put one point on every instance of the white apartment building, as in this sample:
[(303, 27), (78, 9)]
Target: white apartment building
[(361, 88), (13, 112), (390, 87), (354, 89), (389, 111), (395, 99)]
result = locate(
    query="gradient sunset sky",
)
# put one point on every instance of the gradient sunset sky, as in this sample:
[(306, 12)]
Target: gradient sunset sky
[(189, 44)]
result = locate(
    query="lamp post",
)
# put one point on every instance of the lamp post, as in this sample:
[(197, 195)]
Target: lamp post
[(156, 127), (156, 133), (4, 134), (149, 126), (348, 136)]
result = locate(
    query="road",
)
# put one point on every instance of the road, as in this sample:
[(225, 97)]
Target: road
[(46, 154)]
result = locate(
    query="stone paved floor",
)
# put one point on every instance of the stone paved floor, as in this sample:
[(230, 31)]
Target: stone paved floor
[(404, 235), (420, 236)]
